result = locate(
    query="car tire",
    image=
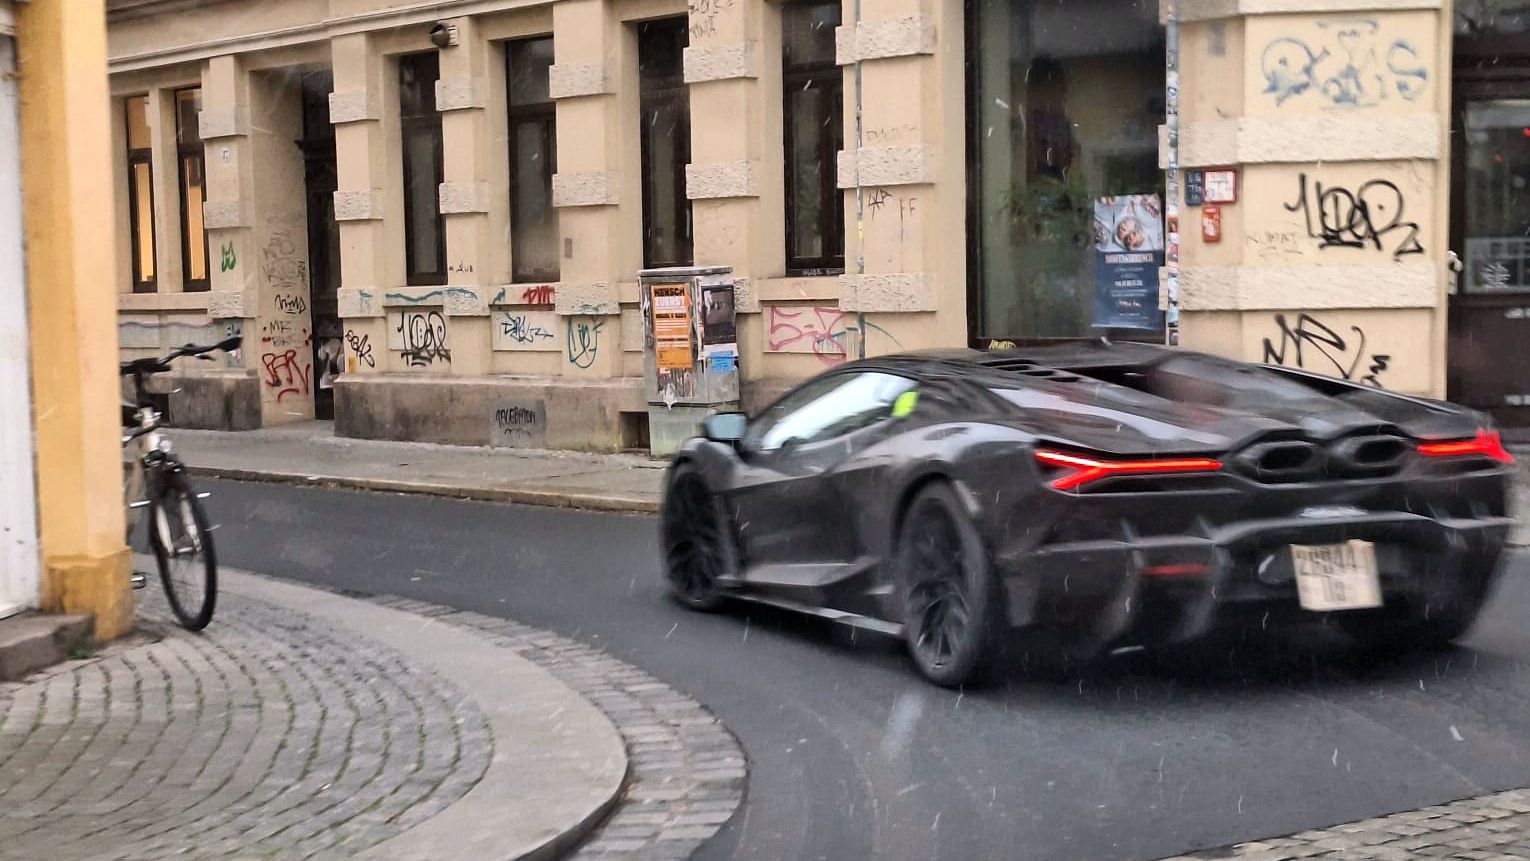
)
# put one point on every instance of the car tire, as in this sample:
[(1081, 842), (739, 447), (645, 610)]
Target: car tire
[(950, 606), (697, 541), (1407, 627)]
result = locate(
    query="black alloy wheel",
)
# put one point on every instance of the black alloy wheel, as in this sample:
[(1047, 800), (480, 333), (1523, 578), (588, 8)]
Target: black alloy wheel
[(943, 577), (697, 547)]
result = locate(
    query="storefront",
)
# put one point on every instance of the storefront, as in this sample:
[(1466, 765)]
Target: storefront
[(1065, 101), (1490, 212)]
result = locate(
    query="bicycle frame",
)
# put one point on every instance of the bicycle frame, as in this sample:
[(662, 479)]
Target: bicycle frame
[(152, 460)]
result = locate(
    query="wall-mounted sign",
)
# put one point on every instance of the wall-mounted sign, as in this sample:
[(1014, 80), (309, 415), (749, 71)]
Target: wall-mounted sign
[(671, 305), (1195, 187), (1211, 223), (1222, 186), (719, 331)]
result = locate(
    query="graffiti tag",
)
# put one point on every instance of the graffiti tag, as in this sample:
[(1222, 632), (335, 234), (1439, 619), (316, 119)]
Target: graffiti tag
[(1356, 218), (1349, 67), (1314, 346)]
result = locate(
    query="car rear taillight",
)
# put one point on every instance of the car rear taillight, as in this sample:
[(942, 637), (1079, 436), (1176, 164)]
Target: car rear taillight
[(1080, 469), (1485, 444)]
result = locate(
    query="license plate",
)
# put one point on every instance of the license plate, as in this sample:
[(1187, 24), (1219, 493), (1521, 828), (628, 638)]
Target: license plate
[(1337, 576)]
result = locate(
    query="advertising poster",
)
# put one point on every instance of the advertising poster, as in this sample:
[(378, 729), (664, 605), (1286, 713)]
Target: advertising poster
[(1129, 242), (719, 332), (671, 309)]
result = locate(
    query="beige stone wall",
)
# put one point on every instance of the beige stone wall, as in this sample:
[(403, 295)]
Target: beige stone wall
[(1336, 116)]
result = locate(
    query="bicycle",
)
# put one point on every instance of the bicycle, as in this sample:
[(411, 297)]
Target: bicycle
[(156, 481)]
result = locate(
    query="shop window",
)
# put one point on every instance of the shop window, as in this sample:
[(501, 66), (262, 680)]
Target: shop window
[(666, 142), (420, 136), (533, 160), (140, 181), (1064, 104), (813, 96), (1491, 17), (190, 167)]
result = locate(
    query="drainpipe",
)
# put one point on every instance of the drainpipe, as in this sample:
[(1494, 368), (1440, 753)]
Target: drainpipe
[(1171, 179), (860, 201), (19, 560)]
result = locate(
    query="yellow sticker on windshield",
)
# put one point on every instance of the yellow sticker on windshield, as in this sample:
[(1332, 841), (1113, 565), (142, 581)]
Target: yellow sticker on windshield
[(904, 404)]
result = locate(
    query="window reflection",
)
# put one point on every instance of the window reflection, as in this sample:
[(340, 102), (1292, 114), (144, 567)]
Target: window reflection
[(1066, 106)]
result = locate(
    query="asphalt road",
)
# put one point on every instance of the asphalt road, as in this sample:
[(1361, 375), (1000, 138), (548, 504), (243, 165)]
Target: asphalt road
[(853, 756)]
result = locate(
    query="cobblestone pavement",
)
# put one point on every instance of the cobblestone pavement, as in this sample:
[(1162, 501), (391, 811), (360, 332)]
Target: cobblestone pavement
[(265, 738), (687, 771), (1492, 827)]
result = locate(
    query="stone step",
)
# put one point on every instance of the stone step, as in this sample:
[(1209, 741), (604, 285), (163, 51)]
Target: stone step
[(32, 641)]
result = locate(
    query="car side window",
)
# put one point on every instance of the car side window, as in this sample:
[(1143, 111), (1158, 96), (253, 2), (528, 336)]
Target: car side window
[(827, 408)]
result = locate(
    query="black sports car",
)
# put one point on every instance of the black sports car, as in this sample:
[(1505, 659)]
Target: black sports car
[(1100, 494)]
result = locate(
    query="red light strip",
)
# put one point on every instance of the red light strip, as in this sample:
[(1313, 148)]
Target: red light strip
[(1180, 569), (1087, 469), (1486, 443)]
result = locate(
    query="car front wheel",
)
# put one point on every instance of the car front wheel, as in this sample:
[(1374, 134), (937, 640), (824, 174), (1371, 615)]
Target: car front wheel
[(698, 548), (949, 606)]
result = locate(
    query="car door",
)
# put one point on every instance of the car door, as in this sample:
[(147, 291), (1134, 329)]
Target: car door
[(787, 503)]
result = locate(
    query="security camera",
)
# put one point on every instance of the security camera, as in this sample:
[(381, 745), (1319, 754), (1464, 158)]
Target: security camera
[(443, 35)]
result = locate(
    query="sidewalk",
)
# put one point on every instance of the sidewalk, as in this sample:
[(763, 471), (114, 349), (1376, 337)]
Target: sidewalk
[(306, 724), (309, 452)]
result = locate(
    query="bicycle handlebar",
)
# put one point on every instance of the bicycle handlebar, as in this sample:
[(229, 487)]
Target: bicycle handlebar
[(140, 368), (161, 365)]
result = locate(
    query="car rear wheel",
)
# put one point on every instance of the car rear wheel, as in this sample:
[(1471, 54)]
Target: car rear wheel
[(949, 609), (697, 546)]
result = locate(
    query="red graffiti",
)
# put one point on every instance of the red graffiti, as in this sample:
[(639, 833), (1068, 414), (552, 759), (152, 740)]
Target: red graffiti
[(542, 294), (823, 330), (285, 374)]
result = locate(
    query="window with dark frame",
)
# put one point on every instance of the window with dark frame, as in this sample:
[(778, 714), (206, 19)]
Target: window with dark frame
[(421, 144), (813, 100), (533, 160), (190, 167), (666, 142), (140, 179)]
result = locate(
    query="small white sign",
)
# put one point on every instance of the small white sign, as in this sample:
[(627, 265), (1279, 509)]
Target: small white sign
[(1222, 186)]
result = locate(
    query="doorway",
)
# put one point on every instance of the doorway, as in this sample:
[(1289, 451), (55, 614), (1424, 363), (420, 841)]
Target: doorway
[(1489, 313), (320, 181)]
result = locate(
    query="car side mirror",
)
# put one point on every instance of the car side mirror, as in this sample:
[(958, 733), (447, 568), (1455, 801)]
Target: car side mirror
[(725, 427)]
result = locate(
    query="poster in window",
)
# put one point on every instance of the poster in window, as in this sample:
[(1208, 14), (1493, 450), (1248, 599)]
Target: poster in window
[(671, 304), (719, 333), (1129, 246)]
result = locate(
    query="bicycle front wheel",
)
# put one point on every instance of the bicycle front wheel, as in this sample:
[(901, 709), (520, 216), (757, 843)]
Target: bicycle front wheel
[(183, 548)]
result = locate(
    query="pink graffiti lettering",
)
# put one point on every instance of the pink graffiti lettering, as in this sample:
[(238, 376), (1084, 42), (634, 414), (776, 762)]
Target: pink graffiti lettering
[(285, 374), (820, 327)]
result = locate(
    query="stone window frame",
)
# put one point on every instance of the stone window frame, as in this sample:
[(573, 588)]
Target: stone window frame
[(826, 75), (189, 153), (140, 157), (543, 112), (415, 273), (654, 92)]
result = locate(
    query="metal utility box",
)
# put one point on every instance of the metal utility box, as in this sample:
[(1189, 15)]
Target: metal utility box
[(690, 350)]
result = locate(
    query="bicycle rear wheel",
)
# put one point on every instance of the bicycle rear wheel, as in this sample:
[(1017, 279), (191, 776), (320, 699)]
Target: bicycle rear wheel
[(183, 547)]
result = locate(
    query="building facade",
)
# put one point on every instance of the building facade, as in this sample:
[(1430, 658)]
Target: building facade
[(422, 216)]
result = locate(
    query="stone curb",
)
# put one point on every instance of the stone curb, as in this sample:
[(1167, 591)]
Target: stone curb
[(558, 764), (541, 498), (686, 774)]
